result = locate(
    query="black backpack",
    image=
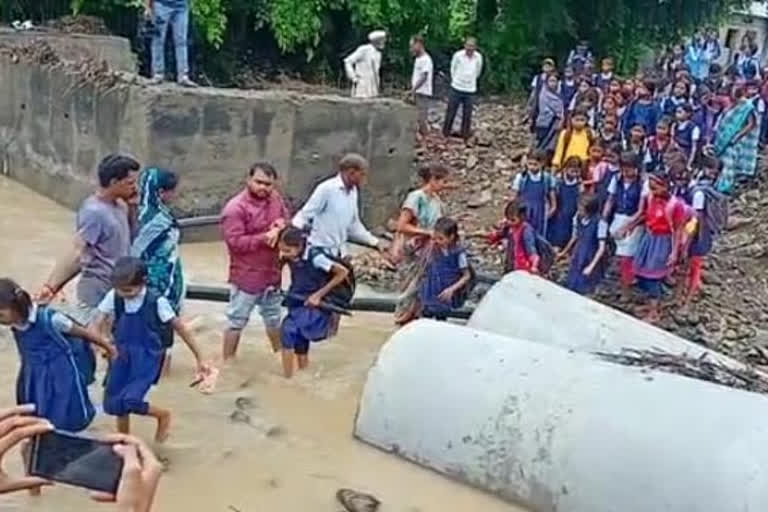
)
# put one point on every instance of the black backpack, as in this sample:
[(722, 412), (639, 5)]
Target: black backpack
[(342, 294)]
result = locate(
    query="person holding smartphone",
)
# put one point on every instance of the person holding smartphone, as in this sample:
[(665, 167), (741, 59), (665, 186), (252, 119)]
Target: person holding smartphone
[(139, 478)]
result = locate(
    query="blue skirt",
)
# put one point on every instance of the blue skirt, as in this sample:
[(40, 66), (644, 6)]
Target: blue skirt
[(302, 325), (58, 390), (651, 258), (701, 245), (559, 230), (129, 379)]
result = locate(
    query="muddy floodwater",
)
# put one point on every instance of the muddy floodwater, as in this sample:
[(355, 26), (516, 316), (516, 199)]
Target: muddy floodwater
[(296, 450)]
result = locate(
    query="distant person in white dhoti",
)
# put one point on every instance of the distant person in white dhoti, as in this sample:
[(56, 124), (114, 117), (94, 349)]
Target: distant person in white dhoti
[(362, 66)]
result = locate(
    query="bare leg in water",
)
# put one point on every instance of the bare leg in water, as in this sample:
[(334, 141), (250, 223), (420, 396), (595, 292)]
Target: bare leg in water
[(232, 341)]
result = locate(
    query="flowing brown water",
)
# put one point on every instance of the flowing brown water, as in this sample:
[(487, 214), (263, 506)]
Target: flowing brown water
[(297, 450)]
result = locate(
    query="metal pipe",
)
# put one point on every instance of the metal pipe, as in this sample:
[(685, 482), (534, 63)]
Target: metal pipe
[(560, 430), (374, 305)]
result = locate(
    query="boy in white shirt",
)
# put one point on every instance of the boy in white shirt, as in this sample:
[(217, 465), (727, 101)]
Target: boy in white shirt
[(466, 66)]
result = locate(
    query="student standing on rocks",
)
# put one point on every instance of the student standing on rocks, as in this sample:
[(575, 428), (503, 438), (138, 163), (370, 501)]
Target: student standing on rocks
[(103, 236), (466, 66), (251, 223), (363, 65), (421, 81), (173, 13)]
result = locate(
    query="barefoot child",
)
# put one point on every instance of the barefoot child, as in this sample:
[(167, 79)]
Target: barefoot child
[(141, 320), (588, 245), (623, 206), (314, 276), (447, 274), (568, 190), (535, 187), (56, 365)]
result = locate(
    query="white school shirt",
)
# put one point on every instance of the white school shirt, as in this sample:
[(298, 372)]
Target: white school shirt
[(164, 310), (423, 64), (332, 212), (60, 322), (465, 71)]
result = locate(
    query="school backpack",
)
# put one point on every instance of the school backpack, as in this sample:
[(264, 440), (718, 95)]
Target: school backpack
[(525, 178), (715, 208), (545, 250), (342, 294), (163, 330)]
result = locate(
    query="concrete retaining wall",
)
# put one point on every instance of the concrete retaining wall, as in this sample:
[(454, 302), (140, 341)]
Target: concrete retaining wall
[(54, 129)]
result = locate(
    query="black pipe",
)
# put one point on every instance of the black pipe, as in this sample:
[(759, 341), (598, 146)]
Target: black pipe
[(212, 220), (221, 294)]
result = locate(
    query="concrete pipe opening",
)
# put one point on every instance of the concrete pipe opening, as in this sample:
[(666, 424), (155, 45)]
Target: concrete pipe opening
[(563, 431)]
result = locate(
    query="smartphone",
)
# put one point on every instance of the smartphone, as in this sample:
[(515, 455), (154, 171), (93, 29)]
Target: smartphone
[(75, 460)]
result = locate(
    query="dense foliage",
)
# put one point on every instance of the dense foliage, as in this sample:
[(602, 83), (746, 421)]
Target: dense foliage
[(311, 36)]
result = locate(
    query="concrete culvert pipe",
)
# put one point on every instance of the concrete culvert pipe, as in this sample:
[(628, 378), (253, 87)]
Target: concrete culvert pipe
[(563, 431), (531, 308)]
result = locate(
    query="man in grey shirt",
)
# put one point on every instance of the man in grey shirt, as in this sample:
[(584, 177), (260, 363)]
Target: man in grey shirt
[(103, 236)]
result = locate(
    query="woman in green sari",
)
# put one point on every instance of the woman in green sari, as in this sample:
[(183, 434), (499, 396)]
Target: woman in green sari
[(413, 241), (736, 141)]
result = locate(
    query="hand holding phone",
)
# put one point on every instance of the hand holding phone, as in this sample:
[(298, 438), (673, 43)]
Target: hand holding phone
[(15, 426)]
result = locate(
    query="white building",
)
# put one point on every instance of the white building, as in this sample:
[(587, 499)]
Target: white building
[(751, 23)]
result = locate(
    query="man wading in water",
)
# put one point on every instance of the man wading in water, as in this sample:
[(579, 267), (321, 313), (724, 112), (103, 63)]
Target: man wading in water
[(103, 236)]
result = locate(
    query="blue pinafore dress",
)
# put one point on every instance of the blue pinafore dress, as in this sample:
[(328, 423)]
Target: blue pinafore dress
[(52, 375), (443, 271), (139, 361), (534, 195), (305, 324), (587, 244), (560, 227)]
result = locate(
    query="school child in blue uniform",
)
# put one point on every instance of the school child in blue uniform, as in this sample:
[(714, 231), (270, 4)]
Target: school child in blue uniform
[(535, 187), (314, 278), (603, 79), (643, 110), (568, 191), (141, 320), (522, 253), (588, 245), (704, 197), (678, 97), (636, 142), (658, 146), (685, 133), (57, 364), (568, 85), (621, 210), (447, 274)]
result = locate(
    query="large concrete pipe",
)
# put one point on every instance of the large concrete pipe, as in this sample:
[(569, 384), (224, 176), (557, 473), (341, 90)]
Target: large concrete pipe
[(564, 431), (525, 306)]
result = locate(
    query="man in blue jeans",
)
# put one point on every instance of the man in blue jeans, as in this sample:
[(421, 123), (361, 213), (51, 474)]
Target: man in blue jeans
[(176, 14)]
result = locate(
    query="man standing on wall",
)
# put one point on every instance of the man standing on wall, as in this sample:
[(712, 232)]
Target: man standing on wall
[(422, 81), (251, 223), (466, 66), (363, 65), (332, 212), (103, 236), (173, 13)]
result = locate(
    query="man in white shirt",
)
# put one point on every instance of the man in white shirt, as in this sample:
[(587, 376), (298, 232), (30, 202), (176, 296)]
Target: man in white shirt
[(421, 81), (363, 65), (332, 213), (466, 66)]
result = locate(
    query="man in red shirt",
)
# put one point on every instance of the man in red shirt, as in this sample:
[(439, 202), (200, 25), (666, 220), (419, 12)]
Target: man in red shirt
[(250, 224)]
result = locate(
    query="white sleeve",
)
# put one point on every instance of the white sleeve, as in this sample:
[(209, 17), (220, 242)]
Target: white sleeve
[(695, 134), (62, 323), (699, 200), (646, 188), (164, 310), (314, 205), (323, 262), (480, 65), (454, 63), (602, 229), (613, 186), (107, 304), (517, 182)]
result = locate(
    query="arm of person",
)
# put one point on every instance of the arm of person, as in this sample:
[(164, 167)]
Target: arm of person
[(423, 76), (66, 268), (613, 187), (338, 274), (529, 242), (454, 64), (695, 138), (602, 235), (350, 62), (359, 233), (406, 225), (557, 159), (572, 242), (96, 338), (447, 294), (312, 208), (189, 340), (237, 238)]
